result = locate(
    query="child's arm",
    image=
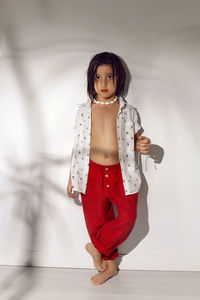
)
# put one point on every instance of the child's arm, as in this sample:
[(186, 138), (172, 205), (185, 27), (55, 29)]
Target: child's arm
[(70, 165), (69, 186), (142, 143)]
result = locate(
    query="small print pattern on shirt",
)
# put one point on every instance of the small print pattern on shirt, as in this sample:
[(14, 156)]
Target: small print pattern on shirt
[(127, 126)]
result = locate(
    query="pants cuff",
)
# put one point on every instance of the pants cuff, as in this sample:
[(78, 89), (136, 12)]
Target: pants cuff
[(106, 254), (114, 255)]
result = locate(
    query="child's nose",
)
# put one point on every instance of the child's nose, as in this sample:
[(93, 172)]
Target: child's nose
[(104, 82)]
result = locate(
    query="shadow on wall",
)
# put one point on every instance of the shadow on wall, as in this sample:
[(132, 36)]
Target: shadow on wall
[(141, 227), (28, 184)]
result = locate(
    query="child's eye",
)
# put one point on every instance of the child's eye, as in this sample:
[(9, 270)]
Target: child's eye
[(98, 77)]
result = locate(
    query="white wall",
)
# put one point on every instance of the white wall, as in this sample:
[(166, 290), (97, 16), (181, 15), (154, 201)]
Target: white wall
[(45, 50)]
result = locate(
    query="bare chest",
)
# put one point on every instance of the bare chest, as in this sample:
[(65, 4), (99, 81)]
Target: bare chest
[(104, 118)]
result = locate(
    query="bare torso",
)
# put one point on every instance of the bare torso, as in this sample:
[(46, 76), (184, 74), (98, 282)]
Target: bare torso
[(104, 143)]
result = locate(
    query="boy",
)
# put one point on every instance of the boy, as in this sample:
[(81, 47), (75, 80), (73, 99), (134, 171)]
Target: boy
[(103, 163)]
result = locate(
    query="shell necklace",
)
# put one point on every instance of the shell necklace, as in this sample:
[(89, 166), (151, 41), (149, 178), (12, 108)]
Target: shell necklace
[(101, 102)]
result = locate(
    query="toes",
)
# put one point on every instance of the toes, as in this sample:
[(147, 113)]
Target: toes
[(104, 264), (94, 280), (100, 267)]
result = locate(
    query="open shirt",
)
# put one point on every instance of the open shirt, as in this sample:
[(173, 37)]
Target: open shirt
[(127, 126)]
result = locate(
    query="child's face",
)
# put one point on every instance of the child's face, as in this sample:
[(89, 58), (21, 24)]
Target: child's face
[(104, 85)]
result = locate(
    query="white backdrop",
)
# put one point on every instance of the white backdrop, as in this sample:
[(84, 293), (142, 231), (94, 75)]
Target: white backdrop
[(45, 48)]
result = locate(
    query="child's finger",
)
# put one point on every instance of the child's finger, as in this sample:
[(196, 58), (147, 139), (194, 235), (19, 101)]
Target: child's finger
[(145, 142), (144, 146), (140, 137), (144, 139), (72, 195)]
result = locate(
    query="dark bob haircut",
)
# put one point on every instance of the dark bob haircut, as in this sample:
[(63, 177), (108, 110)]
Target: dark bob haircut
[(117, 67)]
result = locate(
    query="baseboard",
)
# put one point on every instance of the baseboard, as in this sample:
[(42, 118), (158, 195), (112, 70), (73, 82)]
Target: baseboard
[(77, 260)]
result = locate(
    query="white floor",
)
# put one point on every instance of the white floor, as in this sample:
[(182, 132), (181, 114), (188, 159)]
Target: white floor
[(37, 283)]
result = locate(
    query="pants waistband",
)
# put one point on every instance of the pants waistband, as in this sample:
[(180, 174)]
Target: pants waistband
[(105, 167)]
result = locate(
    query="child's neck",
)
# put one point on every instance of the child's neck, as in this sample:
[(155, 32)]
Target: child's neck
[(101, 99)]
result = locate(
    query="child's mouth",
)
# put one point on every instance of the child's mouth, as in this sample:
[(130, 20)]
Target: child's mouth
[(104, 90)]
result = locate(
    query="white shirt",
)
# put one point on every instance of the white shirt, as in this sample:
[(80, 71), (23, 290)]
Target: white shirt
[(127, 127)]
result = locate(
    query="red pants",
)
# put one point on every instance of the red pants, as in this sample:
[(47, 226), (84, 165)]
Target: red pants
[(104, 188)]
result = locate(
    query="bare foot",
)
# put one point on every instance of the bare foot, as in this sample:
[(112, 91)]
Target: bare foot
[(99, 263), (105, 275)]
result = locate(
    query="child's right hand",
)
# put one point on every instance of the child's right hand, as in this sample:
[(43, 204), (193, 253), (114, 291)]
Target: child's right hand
[(69, 190)]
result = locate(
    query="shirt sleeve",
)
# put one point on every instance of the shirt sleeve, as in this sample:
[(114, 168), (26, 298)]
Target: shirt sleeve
[(76, 120), (136, 120)]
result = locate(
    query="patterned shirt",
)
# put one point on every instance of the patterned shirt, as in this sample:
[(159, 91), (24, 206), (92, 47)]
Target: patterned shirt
[(127, 127)]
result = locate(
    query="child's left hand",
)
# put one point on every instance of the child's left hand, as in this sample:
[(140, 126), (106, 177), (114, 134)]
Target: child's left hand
[(143, 144)]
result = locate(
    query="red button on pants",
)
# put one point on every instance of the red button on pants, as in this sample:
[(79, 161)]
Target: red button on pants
[(104, 188)]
